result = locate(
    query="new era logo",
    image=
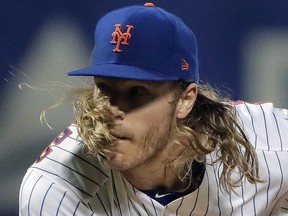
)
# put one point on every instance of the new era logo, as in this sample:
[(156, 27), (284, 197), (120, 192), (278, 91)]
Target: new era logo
[(185, 65), (118, 37)]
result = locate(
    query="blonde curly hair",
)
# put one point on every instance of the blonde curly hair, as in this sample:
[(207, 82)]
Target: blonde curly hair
[(211, 126)]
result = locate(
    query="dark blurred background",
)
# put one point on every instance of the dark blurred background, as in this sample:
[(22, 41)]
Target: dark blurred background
[(243, 50)]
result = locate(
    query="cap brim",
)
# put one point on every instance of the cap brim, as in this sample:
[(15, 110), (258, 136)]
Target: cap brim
[(123, 72)]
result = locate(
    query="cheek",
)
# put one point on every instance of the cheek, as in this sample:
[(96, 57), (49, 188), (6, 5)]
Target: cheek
[(153, 114), (152, 127), (140, 125)]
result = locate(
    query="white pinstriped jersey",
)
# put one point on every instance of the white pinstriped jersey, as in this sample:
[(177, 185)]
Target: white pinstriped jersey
[(67, 182)]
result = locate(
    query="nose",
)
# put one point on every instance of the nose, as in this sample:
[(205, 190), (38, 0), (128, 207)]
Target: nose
[(120, 101), (117, 104)]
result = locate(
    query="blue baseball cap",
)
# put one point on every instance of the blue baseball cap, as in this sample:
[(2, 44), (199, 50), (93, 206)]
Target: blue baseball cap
[(143, 43)]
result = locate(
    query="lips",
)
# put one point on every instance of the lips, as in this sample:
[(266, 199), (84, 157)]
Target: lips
[(120, 135)]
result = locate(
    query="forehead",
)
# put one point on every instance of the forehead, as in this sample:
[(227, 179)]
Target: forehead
[(115, 82)]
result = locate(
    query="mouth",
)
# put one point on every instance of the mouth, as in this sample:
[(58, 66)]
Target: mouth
[(120, 134), (120, 137)]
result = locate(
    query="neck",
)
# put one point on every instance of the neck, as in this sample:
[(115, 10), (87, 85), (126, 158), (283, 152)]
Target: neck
[(156, 174), (149, 179), (168, 181)]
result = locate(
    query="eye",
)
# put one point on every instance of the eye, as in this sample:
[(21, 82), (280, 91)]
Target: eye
[(105, 89), (102, 87), (139, 91)]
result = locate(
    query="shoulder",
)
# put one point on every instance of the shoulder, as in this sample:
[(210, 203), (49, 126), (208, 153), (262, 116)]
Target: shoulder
[(258, 109), (265, 125), (44, 196), (65, 162)]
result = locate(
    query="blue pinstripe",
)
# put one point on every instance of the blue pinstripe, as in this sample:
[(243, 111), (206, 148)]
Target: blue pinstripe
[(266, 130), (82, 160), (63, 180), (102, 204), (32, 192), (45, 198), (60, 203), (280, 137), (268, 170), (76, 208), (75, 171)]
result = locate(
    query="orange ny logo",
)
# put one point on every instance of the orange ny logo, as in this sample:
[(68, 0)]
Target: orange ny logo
[(118, 37)]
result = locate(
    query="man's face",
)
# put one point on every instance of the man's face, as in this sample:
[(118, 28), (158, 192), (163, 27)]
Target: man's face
[(144, 121)]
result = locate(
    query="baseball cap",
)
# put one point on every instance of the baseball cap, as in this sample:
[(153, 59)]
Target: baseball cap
[(143, 43)]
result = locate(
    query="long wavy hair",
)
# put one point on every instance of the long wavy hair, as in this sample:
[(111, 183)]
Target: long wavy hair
[(94, 117), (211, 126)]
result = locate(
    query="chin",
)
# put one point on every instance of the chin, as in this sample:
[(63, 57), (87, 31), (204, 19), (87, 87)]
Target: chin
[(121, 163)]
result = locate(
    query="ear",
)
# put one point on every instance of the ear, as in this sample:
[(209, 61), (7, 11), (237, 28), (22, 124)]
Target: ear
[(186, 101)]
